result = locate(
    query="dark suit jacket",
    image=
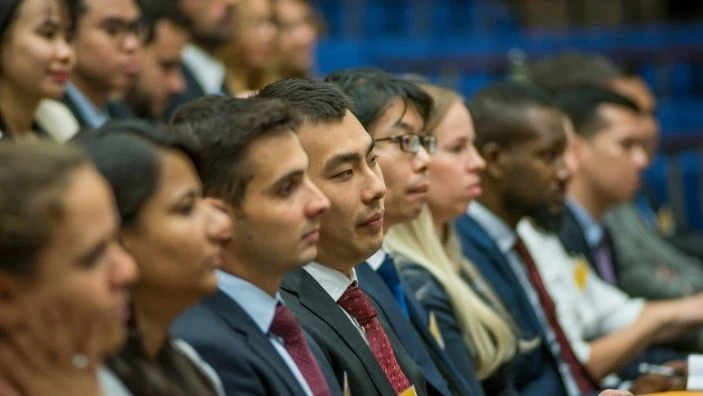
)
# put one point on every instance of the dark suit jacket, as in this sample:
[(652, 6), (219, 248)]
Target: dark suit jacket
[(434, 298), (536, 371), (340, 340), (574, 240), (192, 90), (115, 109), (225, 337), (441, 375)]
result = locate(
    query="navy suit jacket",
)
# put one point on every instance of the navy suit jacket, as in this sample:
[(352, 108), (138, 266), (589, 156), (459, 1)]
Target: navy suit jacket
[(192, 91), (574, 241), (228, 339), (340, 340), (536, 371), (441, 375)]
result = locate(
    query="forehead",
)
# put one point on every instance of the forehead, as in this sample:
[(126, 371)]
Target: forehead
[(619, 121), (456, 122), (322, 141), (545, 126), (169, 37), (274, 156), (403, 115), (122, 9), (38, 10)]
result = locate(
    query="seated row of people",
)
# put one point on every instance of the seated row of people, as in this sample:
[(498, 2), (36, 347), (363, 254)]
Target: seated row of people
[(329, 248)]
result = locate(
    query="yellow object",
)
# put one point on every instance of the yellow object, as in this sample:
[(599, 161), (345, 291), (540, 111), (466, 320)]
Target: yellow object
[(581, 271), (408, 392), (434, 330)]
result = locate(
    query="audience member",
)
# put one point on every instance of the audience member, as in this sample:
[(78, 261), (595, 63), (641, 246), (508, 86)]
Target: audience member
[(255, 170), (250, 58), (472, 324), (518, 127), (64, 277), (325, 294), (176, 239), (211, 28), (300, 26), (35, 62), (393, 112), (160, 73)]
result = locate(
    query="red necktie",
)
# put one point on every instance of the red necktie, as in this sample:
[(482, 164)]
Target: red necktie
[(286, 326), (583, 378), (360, 307)]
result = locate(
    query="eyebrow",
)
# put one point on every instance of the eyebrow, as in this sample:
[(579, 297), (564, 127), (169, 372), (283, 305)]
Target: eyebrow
[(405, 126), (290, 175)]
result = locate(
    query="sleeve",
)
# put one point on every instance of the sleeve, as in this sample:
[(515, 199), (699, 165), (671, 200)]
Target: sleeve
[(205, 368)]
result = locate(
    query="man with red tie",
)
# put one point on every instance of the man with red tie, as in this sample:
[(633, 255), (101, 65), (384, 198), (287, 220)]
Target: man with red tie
[(255, 170), (325, 294)]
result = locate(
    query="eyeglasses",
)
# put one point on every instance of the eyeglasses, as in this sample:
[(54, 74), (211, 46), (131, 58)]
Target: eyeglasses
[(118, 30), (412, 143)]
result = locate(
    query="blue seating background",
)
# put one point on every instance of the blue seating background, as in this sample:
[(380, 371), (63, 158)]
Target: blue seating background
[(464, 44)]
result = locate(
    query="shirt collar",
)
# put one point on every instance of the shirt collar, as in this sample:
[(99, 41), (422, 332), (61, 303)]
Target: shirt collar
[(334, 282), (259, 305), (503, 236), (208, 71), (592, 230), (376, 260), (92, 115)]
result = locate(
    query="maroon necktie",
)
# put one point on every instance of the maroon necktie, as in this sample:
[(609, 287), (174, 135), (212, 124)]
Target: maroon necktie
[(286, 326), (583, 379), (360, 307)]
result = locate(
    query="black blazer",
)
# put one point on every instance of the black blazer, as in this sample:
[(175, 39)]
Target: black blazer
[(228, 339), (340, 340), (442, 376), (192, 91), (573, 238)]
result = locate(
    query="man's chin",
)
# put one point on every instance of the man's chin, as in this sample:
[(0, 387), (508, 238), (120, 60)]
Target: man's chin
[(548, 219)]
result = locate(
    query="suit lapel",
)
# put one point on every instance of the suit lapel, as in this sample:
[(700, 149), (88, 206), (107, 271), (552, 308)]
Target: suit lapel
[(231, 313), (314, 298), (574, 240)]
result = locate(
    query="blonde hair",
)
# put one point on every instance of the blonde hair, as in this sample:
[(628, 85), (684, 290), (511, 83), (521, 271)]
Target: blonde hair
[(488, 334), (442, 101), (240, 79)]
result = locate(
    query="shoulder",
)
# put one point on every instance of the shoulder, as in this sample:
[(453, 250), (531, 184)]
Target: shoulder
[(57, 120), (188, 351), (110, 384)]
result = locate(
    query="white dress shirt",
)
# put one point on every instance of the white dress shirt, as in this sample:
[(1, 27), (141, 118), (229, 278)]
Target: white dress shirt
[(587, 307), (207, 70), (335, 284), (261, 308)]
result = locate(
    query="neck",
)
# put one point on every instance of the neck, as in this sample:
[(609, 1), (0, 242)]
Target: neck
[(97, 96), (154, 317), (343, 266), (491, 200), (209, 49), (585, 196), (17, 110), (258, 275)]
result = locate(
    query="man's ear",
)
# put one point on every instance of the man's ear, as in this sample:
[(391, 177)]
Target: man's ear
[(496, 160)]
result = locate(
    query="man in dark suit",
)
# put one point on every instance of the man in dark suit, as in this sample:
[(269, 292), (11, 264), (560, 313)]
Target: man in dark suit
[(107, 40), (160, 76), (520, 134), (211, 27), (394, 112), (325, 294), (255, 170)]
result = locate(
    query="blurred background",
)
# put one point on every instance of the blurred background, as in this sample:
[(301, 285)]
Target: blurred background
[(465, 44)]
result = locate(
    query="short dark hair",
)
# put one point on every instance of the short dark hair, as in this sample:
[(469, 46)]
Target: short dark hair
[(125, 152), (314, 100), (372, 91), (154, 11), (32, 181), (10, 8), (498, 112), (582, 105), (225, 129), (573, 69)]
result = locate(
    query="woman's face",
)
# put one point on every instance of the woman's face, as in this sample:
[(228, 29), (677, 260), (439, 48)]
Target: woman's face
[(83, 271), (35, 57), (178, 239), (257, 33), (455, 167)]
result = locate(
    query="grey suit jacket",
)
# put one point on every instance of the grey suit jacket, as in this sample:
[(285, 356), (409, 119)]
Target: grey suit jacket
[(340, 340), (648, 265)]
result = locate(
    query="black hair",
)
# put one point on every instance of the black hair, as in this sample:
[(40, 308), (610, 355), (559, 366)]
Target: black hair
[(225, 128), (154, 11), (32, 180), (582, 105), (316, 101), (10, 8), (125, 152), (372, 91), (498, 112)]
